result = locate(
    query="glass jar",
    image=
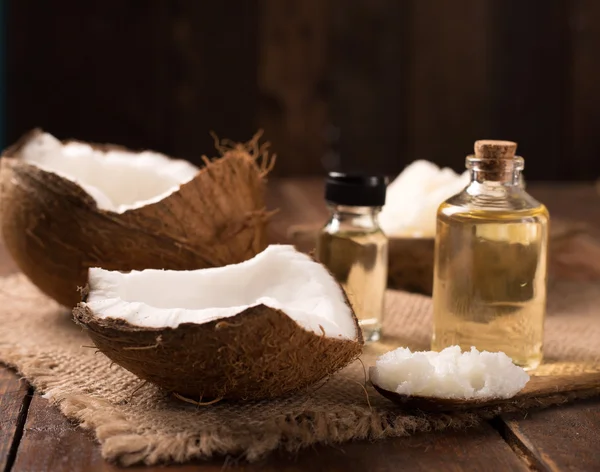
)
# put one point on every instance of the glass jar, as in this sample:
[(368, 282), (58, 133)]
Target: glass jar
[(354, 248), (490, 271)]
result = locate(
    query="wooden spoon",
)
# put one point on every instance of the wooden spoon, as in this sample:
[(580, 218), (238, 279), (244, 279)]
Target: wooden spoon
[(549, 384)]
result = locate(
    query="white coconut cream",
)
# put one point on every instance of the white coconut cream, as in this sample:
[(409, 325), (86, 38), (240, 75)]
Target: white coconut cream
[(414, 196), (449, 373)]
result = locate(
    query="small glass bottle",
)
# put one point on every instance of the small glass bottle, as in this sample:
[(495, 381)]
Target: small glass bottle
[(490, 268), (354, 248)]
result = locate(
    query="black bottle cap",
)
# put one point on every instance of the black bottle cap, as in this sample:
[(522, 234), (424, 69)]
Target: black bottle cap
[(355, 189)]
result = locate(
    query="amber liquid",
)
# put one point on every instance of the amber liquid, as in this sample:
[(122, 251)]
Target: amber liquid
[(358, 261), (490, 281)]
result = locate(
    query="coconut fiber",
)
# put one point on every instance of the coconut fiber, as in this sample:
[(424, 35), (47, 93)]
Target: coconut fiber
[(137, 423)]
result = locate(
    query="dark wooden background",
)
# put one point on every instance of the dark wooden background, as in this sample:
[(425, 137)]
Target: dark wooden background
[(345, 84)]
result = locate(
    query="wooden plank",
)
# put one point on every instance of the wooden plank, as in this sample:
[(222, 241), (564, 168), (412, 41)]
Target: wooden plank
[(13, 409), (584, 93), (86, 70), (292, 66), (156, 74), (475, 449), (563, 438), (51, 443), (212, 84), (370, 76), (449, 80), (529, 64), (52, 440)]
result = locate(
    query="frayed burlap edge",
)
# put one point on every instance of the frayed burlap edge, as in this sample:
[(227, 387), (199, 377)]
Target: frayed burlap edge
[(121, 443), (126, 441)]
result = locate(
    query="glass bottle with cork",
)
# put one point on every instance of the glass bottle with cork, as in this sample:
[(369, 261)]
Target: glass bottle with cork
[(490, 269), (354, 248)]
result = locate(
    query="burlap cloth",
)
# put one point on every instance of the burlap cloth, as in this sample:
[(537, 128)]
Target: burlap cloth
[(136, 422)]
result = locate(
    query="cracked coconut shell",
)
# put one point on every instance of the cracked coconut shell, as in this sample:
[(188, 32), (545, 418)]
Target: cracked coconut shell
[(224, 333), (56, 227)]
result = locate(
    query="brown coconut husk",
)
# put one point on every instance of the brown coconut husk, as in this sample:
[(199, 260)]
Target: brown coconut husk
[(259, 353), (54, 230)]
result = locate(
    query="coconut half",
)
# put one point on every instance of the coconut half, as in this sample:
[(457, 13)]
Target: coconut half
[(263, 328), (68, 206)]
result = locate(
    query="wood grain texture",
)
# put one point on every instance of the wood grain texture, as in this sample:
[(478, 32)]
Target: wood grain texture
[(583, 101), (449, 85), (156, 74), (564, 438), (529, 81), (369, 73), (355, 84), (478, 449), (13, 408), (211, 73), (88, 71), (51, 443), (293, 53), (566, 435)]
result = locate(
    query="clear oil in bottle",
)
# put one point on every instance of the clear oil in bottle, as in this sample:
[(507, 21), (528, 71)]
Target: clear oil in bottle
[(491, 261), (358, 261), (354, 248)]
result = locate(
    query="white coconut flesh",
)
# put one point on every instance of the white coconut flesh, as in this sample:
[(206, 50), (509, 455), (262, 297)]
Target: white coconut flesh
[(412, 199), (117, 180), (449, 374), (279, 277)]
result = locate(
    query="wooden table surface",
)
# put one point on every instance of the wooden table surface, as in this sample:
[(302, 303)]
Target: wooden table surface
[(35, 436)]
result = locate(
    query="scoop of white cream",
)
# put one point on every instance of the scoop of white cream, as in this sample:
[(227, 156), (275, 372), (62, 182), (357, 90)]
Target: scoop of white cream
[(449, 373), (414, 196)]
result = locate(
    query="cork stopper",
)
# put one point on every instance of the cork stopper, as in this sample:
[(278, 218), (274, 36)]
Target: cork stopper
[(493, 150)]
